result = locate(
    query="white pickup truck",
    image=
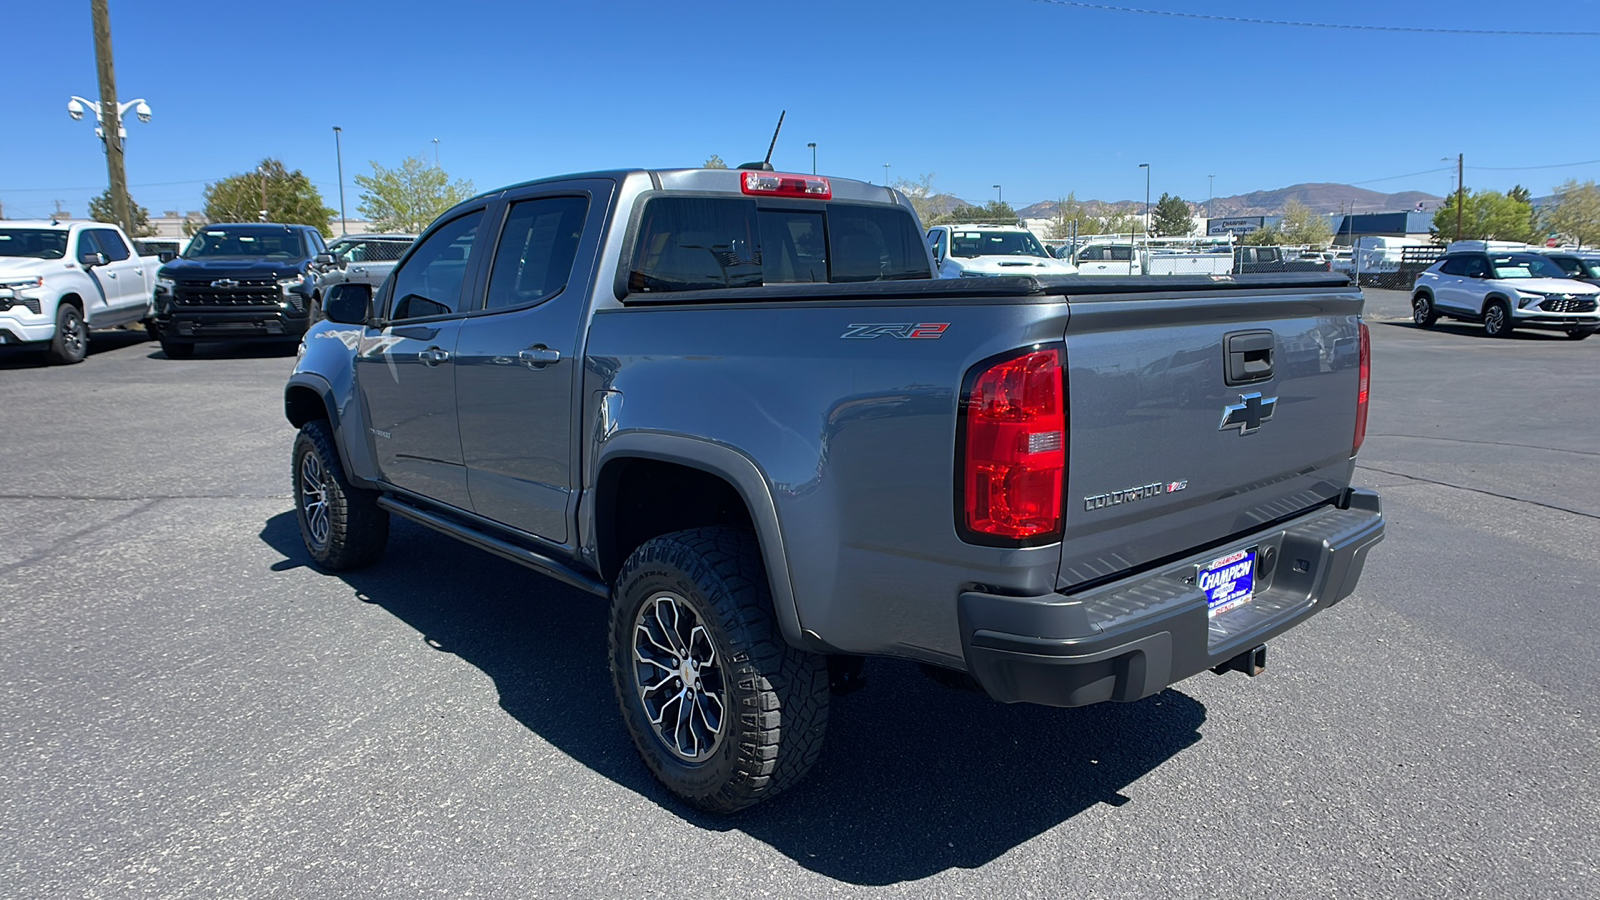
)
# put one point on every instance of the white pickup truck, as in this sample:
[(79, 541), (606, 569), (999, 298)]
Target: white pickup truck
[(58, 280)]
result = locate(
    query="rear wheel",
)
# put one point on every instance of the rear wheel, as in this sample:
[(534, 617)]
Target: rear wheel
[(1422, 311), (71, 343), (1497, 319), (724, 712)]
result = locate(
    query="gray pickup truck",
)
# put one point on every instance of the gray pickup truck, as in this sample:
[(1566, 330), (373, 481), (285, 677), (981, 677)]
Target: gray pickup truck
[(737, 405)]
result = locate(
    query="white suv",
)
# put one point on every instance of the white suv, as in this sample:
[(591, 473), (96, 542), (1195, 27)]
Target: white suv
[(1505, 291), (970, 251)]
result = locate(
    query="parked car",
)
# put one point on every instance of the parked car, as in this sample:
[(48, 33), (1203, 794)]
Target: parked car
[(1505, 291), (239, 282), (364, 259), (1248, 260), (736, 407), (973, 251), (1583, 265), (59, 280)]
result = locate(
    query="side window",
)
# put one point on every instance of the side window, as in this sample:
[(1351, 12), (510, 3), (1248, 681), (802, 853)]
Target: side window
[(1092, 254), (87, 244), (1122, 254), (1477, 267), (111, 244), (429, 283), (1456, 265), (537, 248)]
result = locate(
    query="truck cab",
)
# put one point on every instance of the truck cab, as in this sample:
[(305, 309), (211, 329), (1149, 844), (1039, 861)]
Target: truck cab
[(979, 250)]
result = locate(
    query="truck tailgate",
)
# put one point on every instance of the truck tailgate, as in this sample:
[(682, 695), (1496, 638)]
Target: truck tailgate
[(1173, 448)]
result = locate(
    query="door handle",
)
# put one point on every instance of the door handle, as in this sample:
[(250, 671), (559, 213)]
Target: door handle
[(433, 356), (538, 356)]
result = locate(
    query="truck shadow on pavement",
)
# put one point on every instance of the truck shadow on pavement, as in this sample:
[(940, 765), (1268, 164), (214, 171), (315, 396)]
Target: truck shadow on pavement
[(33, 356), (915, 778)]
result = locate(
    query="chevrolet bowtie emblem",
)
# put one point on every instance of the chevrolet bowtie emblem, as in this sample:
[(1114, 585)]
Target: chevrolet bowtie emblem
[(1248, 414), (224, 283)]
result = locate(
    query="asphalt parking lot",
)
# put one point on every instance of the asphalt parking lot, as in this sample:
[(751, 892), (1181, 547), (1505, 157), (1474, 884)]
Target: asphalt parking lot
[(189, 710)]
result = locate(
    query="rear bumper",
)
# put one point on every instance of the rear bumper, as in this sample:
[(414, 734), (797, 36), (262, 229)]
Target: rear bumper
[(1134, 637)]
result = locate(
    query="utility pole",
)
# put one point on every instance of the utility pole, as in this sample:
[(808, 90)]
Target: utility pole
[(1460, 190), (110, 116), (262, 171), (1211, 192)]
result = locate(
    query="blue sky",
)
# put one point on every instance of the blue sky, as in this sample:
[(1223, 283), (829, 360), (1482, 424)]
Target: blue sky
[(1040, 98)]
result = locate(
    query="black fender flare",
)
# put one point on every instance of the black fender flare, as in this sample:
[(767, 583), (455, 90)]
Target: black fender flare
[(747, 479), (356, 460)]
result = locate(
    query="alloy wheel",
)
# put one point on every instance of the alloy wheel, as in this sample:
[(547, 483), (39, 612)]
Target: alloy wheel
[(72, 338), (314, 499), (678, 677)]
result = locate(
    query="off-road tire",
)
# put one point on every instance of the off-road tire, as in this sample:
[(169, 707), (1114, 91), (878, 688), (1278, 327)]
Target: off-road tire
[(1422, 311), (350, 531), (71, 342), (177, 349), (1497, 319), (775, 697)]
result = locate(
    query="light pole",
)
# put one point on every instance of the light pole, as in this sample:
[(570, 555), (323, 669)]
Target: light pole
[(813, 146), (1146, 168), (436, 153), (338, 151), (262, 171), (885, 174), (999, 195), (1211, 192), (76, 106)]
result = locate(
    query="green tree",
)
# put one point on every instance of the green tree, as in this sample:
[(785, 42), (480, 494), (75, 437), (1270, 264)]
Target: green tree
[(1485, 215), (288, 197), (995, 212), (406, 199), (1070, 210), (1575, 212), (715, 162), (1302, 226), (101, 210), (920, 192), (1172, 217), (1121, 221)]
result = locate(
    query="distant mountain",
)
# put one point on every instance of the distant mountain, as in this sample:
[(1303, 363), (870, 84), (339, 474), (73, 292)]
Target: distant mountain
[(1320, 198)]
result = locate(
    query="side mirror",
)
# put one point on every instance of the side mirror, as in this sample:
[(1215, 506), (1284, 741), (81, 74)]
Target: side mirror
[(166, 256), (90, 260), (324, 259), (348, 304)]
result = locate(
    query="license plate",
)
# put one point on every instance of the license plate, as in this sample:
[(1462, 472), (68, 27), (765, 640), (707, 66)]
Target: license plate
[(1229, 582)]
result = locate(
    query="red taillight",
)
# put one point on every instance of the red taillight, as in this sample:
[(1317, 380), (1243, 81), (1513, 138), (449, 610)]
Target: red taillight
[(1014, 450), (773, 184), (1365, 383)]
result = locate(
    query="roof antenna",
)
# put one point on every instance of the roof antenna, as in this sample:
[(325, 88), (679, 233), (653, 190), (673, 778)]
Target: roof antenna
[(766, 164)]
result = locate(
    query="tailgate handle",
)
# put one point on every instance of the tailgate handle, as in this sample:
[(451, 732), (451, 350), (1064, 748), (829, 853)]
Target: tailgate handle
[(1249, 356)]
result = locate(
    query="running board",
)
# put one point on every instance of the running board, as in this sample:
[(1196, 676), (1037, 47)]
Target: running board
[(556, 569)]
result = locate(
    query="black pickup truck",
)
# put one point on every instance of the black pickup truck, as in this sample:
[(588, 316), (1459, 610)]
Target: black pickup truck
[(738, 406), (244, 282)]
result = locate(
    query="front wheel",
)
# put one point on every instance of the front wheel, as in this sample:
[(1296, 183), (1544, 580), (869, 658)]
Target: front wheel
[(1422, 311), (724, 712), (1497, 319), (342, 525), (71, 343)]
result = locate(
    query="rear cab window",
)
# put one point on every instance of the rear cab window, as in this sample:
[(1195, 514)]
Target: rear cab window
[(687, 243)]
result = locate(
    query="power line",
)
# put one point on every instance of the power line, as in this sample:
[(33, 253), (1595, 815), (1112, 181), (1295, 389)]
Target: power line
[(1401, 29), (98, 187), (1587, 162), (1407, 175)]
